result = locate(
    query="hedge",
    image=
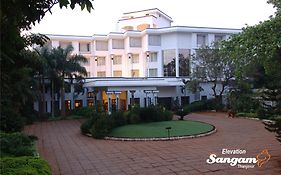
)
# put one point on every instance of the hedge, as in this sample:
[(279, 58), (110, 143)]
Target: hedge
[(25, 165)]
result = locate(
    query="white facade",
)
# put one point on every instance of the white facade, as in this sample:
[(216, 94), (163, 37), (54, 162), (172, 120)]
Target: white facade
[(147, 58)]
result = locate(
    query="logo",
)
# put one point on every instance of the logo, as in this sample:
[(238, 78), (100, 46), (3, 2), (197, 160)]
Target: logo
[(241, 162)]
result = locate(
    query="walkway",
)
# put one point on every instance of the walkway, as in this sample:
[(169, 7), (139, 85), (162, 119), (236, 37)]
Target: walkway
[(70, 153)]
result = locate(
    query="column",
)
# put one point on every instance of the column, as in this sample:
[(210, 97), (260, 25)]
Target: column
[(133, 97), (117, 100), (108, 102), (177, 62)]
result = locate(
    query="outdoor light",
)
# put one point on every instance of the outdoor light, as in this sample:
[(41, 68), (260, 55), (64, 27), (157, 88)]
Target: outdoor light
[(129, 55), (111, 56), (147, 54), (96, 58)]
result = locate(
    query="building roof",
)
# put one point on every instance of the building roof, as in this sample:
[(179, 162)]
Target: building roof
[(150, 10)]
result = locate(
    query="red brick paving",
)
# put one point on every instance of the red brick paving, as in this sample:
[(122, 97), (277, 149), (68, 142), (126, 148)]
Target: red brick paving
[(70, 153)]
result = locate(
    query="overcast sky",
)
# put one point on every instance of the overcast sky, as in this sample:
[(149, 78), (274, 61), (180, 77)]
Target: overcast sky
[(203, 13)]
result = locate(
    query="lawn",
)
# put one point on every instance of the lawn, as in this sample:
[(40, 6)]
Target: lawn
[(158, 129)]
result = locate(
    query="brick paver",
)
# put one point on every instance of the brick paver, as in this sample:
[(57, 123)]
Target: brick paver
[(70, 153)]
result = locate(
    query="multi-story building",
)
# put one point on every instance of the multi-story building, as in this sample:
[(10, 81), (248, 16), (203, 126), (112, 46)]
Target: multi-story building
[(144, 62)]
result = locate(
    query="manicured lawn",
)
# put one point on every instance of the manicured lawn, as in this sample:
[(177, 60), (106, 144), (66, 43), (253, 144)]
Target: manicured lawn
[(158, 129)]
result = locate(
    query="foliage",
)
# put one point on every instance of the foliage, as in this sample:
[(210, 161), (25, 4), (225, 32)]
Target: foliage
[(213, 66), (16, 144), (242, 102), (247, 114), (210, 104), (86, 112), (24, 166), (102, 126), (118, 118), (18, 64), (11, 121), (256, 53), (87, 125)]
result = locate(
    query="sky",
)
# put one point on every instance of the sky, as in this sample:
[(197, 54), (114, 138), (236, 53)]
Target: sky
[(201, 13)]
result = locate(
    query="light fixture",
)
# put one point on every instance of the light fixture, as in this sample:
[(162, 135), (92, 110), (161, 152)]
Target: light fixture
[(129, 55), (111, 56), (147, 54), (96, 58)]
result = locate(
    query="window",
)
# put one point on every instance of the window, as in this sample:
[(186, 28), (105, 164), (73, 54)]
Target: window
[(218, 38), (90, 103), (117, 59), (88, 74), (152, 72), (101, 45), (101, 61), (154, 40), (135, 58), (64, 44), (169, 60), (153, 57), (203, 97), (68, 104), (78, 103), (101, 74), (201, 40), (117, 44), (84, 47), (135, 42), (184, 68), (90, 95), (117, 73), (135, 73)]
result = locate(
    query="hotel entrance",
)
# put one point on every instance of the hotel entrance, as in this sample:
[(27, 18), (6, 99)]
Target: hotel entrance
[(117, 100)]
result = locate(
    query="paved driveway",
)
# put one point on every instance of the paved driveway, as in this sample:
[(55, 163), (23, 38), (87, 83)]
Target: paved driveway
[(70, 153)]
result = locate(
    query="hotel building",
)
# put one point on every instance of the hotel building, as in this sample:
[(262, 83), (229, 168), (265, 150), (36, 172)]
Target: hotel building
[(144, 62)]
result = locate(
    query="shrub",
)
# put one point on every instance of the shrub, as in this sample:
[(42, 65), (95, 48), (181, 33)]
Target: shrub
[(101, 127), (245, 114), (24, 166), (182, 113), (84, 112), (87, 125), (12, 122), (167, 115), (134, 119), (118, 118), (16, 144)]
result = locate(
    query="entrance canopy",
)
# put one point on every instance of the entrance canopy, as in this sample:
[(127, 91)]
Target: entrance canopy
[(133, 82)]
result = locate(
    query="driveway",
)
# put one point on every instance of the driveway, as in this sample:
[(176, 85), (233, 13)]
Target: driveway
[(70, 153)]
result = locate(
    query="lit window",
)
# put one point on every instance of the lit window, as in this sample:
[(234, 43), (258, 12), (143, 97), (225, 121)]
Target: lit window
[(68, 104), (90, 103), (100, 61), (135, 42), (135, 73), (153, 57), (117, 59), (84, 47), (117, 73), (90, 95), (78, 103), (101, 74), (135, 58)]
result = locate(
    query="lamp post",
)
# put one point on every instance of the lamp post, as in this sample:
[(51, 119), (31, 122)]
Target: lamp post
[(147, 62), (112, 58), (130, 62)]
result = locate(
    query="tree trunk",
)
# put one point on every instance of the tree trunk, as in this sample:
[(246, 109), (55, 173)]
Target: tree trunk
[(53, 99), (63, 98)]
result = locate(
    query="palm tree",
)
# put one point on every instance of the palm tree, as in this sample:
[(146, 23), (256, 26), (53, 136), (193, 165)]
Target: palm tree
[(68, 65)]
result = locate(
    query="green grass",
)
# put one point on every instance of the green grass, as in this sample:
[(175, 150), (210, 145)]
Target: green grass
[(157, 129)]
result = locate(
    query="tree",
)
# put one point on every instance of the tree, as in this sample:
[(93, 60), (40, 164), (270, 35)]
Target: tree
[(214, 66), (69, 66), (256, 53), (18, 65)]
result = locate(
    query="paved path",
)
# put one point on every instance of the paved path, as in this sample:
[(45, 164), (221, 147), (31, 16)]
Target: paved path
[(70, 153)]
